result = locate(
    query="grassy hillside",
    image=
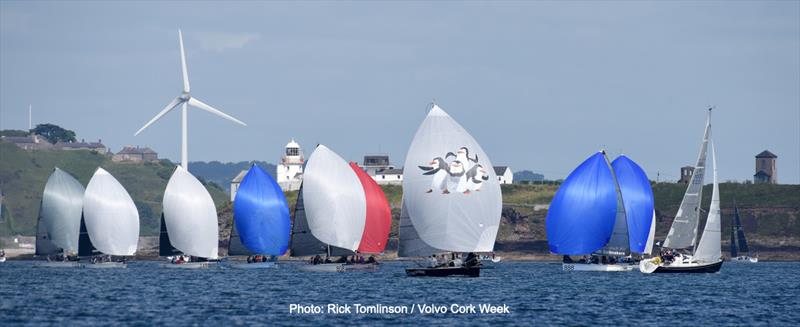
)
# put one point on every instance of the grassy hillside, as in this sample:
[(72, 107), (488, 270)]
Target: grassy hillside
[(23, 175)]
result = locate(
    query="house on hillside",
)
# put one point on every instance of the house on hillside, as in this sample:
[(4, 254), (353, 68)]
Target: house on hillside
[(389, 176), (766, 168), (504, 174), (82, 145), (31, 142), (135, 154), (235, 183)]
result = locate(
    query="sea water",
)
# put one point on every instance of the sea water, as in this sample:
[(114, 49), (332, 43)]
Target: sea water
[(511, 293)]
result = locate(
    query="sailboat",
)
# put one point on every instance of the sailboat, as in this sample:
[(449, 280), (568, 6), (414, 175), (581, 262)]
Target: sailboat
[(602, 211), (58, 225), (110, 222), (339, 212), (684, 254), (737, 230), (451, 199), (260, 220), (189, 227)]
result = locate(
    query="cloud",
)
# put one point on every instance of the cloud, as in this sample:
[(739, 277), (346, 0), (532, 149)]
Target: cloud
[(220, 41)]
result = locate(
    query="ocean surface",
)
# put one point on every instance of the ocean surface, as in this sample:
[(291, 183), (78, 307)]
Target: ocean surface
[(534, 293)]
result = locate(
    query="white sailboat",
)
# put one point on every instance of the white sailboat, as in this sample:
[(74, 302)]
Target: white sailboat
[(451, 199), (59, 220), (110, 222), (687, 255), (189, 223)]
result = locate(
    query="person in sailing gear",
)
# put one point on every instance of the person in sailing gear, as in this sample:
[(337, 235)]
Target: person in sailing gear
[(372, 259), (439, 169), (432, 261), (471, 260), (567, 259)]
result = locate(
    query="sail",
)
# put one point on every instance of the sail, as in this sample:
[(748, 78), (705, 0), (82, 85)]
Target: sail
[(335, 204), (60, 213), (44, 245), (683, 233), (709, 248), (734, 249), (110, 215), (410, 243), (190, 216), (303, 243), (637, 194), (165, 248), (582, 214), (235, 245), (261, 215), (378, 217), (450, 190), (619, 243), (85, 246), (740, 232), (648, 248)]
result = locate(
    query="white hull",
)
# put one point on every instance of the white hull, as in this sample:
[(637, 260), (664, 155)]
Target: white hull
[(745, 258), (58, 264), (257, 265), (325, 267), (596, 267), (2, 259), (684, 264), (104, 265), (188, 265)]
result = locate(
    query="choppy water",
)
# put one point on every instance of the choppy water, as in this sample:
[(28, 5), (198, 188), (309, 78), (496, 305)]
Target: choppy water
[(536, 293)]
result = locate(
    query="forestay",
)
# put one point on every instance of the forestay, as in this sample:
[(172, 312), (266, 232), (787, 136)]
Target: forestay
[(190, 216), (111, 218)]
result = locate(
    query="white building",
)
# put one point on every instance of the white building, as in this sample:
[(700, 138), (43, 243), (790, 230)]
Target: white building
[(504, 174), (289, 172), (389, 176), (235, 183)]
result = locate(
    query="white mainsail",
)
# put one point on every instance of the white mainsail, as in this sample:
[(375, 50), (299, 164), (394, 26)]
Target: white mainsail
[(683, 233), (334, 200), (62, 202), (710, 249), (648, 248), (191, 216), (111, 218), (453, 204)]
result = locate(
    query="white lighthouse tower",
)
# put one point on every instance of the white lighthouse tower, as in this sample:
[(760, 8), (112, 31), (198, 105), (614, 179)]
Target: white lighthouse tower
[(289, 171)]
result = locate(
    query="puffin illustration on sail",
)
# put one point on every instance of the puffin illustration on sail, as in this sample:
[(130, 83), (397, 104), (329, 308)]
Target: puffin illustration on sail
[(681, 252), (260, 220), (603, 211), (340, 211), (58, 225), (110, 223), (451, 205)]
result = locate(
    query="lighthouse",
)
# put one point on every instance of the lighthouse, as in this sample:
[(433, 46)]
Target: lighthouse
[(289, 172)]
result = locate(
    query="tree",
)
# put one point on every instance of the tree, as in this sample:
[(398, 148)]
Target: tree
[(54, 133)]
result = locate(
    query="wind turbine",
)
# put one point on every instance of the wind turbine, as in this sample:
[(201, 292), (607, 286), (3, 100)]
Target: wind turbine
[(184, 100)]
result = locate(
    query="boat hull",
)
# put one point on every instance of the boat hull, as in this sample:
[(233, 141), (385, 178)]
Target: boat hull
[(256, 265), (2, 259), (58, 264), (647, 266), (188, 265), (324, 267), (745, 258), (105, 265), (444, 272), (596, 267)]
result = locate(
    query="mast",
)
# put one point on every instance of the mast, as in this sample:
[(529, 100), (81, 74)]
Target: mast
[(618, 244)]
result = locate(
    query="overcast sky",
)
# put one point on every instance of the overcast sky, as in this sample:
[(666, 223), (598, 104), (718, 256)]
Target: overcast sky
[(541, 85)]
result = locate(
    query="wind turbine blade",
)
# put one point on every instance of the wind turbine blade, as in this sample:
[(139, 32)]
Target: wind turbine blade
[(183, 65), (199, 104), (175, 102)]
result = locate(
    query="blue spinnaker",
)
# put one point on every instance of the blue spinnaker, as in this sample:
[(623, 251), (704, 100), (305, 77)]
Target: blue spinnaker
[(637, 194), (261, 214), (581, 216)]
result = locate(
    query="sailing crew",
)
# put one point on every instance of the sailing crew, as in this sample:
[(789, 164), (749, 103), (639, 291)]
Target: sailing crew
[(372, 259), (433, 261)]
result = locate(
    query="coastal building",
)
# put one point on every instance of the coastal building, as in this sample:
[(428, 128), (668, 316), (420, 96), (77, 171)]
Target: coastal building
[(766, 169), (135, 154), (82, 145), (686, 174), (289, 172), (31, 142), (504, 174), (375, 162), (388, 176), (235, 183)]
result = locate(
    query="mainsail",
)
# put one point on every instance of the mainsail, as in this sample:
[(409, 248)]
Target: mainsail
[(734, 249), (110, 215), (619, 243), (708, 250), (683, 233), (378, 216), (453, 199), (583, 212), (60, 214), (648, 248), (637, 194), (740, 232), (261, 215), (410, 243), (190, 216), (335, 204)]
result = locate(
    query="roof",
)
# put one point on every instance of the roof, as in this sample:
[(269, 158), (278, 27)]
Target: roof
[(762, 173), (136, 150), (687, 167), (19, 139), (500, 170), (766, 154), (376, 160), (390, 171), (239, 177), (292, 144)]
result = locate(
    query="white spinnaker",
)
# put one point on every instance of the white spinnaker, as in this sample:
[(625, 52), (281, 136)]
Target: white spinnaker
[(62, 202), (334, 199), (648, 247), (111, 218), (191, 216), (710, 249), (454, 221)]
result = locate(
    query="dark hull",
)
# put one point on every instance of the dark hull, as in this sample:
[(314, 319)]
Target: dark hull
[(709, 268), (444, 272)]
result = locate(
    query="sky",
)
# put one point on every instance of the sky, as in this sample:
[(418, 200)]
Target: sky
[(540, 85)]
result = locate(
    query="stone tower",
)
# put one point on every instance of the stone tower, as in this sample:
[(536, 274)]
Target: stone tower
[(766, 170), (686, 174)]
